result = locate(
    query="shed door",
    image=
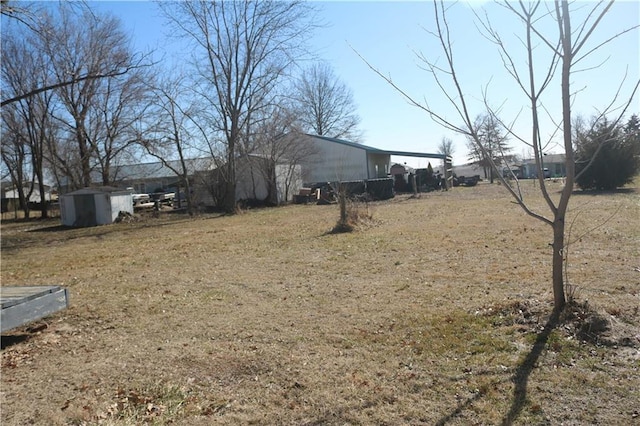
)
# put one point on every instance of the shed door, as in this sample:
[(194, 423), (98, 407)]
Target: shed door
[(85, 206)]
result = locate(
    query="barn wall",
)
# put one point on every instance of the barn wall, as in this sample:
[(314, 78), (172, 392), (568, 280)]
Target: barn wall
[(334, 162)]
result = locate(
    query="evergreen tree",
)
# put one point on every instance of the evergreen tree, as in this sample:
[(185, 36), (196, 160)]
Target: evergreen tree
[(608, 155)]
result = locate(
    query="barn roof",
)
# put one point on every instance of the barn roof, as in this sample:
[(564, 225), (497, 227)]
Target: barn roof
[(158, 170), (372, 150)]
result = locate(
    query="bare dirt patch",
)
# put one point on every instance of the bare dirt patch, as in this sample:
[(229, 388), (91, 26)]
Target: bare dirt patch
[(435, 312)]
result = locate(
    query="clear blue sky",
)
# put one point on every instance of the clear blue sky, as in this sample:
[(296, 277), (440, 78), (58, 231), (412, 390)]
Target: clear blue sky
[(388, 33)]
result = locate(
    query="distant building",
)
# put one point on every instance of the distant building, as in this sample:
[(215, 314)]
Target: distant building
[(340, 160), (261, 179), (10, 199), (12, 193), (257, 177), (471, 169), (553, 165)]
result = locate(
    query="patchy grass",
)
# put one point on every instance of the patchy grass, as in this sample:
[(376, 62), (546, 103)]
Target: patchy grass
[(434, 310)]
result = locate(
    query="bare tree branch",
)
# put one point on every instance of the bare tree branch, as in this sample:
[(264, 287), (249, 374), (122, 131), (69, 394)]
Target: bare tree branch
[(68, 83), (581, 40)]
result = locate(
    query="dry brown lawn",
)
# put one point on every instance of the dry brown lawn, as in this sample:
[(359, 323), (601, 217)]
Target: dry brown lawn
[(431, 312)]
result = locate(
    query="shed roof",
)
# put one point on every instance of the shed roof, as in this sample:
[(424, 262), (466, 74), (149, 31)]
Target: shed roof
[(99, 190)]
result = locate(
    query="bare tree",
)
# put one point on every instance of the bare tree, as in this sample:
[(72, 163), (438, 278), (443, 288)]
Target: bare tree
[(117, 109), (280, 144), (27, 122), (170, 132), (15, 156), (567, 47), (446, 146), (326, 104), (242, 51), (77, 45), (491, 147)]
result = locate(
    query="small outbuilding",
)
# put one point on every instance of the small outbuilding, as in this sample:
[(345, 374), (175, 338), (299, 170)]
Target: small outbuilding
[(94, 206)]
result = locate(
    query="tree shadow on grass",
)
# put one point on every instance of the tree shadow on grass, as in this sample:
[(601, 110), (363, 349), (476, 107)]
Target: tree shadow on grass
[(520, 378), (624, 190), (521, 375), (459, 409)]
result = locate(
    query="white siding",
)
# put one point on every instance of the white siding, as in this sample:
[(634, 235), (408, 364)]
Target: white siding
[(34, 198), (250, 183), (121, 203)]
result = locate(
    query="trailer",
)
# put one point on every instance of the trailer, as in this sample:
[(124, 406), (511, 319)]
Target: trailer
[(22, 305), (166, 198), (139, 199)]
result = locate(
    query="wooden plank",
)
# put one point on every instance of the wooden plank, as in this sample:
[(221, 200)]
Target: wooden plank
[(21, 305)]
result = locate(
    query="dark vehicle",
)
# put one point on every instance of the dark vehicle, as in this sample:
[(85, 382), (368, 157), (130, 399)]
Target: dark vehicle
[(466, 180)]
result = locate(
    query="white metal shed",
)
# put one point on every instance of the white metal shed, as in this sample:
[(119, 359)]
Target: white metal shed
[(94, 206)]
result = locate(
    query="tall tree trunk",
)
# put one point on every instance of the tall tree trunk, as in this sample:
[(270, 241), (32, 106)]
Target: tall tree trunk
[(559, 299), (85, 155), (188, 195), (106, 172), (342, 199), (558, 263), (24, 202), (44, 205), (229, 203), (272, 185)]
